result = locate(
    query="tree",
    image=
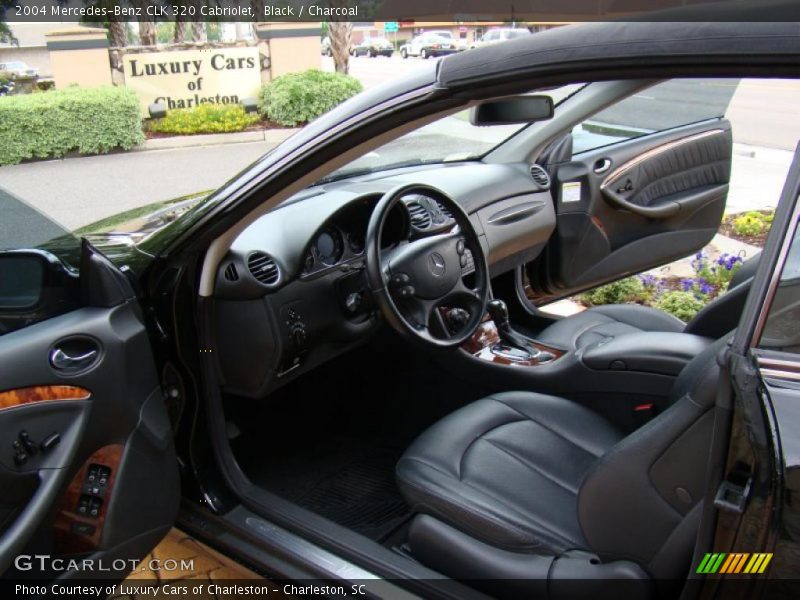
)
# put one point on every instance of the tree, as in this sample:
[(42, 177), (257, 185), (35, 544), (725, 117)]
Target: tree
[(147, 33), (6, 36), (340, 34), (118, 32), (199, 31), (180, 30)]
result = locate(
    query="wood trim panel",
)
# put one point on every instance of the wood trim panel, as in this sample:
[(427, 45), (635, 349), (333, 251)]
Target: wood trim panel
[(486, 336), (41, 393), (67, 540)]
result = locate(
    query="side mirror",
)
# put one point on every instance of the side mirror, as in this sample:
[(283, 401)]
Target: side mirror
[(512, 111), (22, 277), (34, 284)]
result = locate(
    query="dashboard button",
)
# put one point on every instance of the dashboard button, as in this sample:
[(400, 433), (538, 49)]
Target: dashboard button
[(460, 246)]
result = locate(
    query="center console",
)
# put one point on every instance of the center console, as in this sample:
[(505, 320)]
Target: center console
[(495, 341)]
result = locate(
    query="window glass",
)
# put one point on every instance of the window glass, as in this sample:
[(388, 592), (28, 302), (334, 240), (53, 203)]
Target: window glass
[(782, 329), (664, 106)]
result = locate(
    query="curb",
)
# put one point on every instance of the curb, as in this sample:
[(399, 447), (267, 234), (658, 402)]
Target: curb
[(272, 136)]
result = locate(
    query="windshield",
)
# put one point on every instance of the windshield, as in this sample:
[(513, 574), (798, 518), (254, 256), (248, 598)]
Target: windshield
[(451, 138)]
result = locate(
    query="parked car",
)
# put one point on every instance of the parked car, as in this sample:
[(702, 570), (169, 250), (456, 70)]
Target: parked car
[(429, 44), (501, 34), (373, 46), (19, 69), (328, 370), (326, 46)]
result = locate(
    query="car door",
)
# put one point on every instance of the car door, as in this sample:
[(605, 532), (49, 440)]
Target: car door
[(640, 184), (88, 467), (753, 510)]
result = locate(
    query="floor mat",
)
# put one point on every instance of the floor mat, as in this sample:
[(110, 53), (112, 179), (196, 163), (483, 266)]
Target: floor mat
[(349, 482)]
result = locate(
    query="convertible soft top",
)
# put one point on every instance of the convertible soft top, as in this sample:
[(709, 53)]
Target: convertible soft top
[(635, 48)]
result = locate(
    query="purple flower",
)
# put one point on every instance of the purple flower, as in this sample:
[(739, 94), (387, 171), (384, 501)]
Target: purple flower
[(687, 284), (649, 280), (728, 261), (705, 287)]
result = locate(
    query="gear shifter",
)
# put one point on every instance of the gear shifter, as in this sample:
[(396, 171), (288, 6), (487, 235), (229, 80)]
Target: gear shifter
[(511, 342)]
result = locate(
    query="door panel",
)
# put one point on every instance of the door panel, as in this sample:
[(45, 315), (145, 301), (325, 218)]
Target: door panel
[(635, 205), (88, 465)]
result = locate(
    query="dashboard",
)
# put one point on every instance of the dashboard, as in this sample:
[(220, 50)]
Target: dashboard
[(291, 292)]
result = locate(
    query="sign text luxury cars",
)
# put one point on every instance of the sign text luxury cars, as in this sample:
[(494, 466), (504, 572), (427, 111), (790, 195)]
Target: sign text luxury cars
[(186, 79)]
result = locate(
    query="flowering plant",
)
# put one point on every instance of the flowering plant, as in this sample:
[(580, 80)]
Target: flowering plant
[(711, 277)]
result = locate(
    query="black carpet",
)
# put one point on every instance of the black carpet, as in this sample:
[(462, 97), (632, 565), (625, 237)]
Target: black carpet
[(347, 481)]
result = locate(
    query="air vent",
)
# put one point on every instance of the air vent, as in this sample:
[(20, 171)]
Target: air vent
[(540, 176), (420, 217), (231, 274), (445, 211), (263, 268)]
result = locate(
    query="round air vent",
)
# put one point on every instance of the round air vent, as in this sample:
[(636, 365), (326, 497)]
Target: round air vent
[(264, 268), (419, 215), (540, 176)]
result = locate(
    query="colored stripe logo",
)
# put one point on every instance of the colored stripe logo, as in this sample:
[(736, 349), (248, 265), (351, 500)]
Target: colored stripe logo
[(734, 563)]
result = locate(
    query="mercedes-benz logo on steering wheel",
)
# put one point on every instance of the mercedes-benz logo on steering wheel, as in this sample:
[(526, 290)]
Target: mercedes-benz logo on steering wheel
[(436, 264)]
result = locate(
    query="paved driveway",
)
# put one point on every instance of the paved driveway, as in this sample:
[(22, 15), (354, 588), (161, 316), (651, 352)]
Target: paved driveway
[(78, 191)]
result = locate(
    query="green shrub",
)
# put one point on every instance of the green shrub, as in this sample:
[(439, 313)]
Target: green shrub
[(748, 224), (89, 120), (683, 305), (630, 289), (297, 98), (206, 118), (752, 223)]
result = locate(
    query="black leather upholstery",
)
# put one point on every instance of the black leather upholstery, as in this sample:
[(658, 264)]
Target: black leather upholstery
[(611, 320), (601, 322), (541, 475), (507, 469)]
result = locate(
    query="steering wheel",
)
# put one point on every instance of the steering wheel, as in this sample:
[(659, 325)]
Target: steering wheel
[(413, 281)]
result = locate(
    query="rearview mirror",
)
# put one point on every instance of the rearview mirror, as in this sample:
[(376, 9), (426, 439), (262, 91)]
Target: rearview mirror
[(512, 111)]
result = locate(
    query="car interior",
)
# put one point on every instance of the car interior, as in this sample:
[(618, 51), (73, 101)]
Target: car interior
[(415, 394)]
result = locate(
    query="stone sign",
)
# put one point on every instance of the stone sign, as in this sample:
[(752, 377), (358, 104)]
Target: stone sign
[(190, 78)]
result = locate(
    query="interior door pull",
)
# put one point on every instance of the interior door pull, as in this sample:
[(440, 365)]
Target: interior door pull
[(602, 165), (65, 362)]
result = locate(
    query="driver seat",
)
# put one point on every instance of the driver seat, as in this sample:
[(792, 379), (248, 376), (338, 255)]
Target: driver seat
[(527, 492)]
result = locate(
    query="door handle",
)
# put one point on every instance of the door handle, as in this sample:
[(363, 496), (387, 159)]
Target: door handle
[(66, 362), (602, 165)]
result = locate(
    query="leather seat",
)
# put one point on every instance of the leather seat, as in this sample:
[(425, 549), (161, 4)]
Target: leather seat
[(525, 474), (601, 322)]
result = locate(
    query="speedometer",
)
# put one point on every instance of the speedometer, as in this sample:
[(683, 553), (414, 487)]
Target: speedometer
[(329, 246)]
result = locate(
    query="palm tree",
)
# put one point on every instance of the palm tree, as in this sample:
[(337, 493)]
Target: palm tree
[(147, 33), (118, 31), (180, 30), (340, 33), (199, 31)]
